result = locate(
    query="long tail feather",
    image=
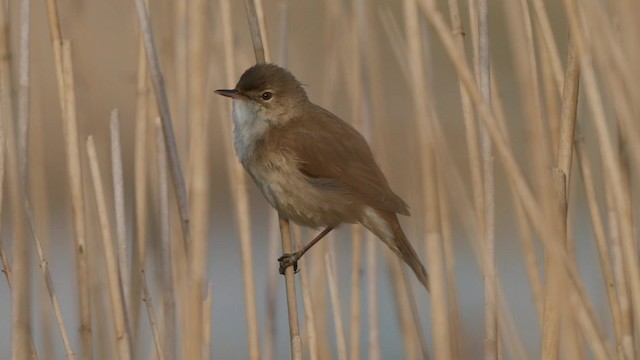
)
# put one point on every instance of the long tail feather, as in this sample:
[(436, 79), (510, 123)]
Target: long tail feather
[(385, 225)]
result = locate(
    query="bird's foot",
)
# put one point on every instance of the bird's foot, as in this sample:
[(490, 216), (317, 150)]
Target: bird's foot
[(287, 260)]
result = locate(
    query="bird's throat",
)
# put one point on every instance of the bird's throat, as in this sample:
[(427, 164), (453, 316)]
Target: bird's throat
[(249, 127)]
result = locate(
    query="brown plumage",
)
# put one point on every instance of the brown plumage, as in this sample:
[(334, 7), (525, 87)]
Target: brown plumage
[(311, 166)]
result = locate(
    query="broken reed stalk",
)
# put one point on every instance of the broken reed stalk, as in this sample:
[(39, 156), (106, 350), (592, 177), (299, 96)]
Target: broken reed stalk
[(117, 304), (152, 315), (238, 181), (165, 115)]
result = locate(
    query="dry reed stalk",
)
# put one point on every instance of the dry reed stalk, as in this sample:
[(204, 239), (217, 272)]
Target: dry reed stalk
[(270, 327), (181, 64), (165, 115), (373, 343), (140, 186), (455, 329), (492, 334), (38, 192), (255, 30), (152, 315), (336, 306), (76, 189), (551, 94), (21, 296), (238, 181), (620, 277), (563, 171), (166, 255), (206, 325), (307, 301), (264, 37), (543, 25), (66, 96), (6, 112), (6, 266), (433, 238), (294, 331), (610, 162), (193, 339), (117, 301), (118, 202)]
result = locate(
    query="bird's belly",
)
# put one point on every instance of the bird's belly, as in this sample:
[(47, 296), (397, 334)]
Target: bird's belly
[(290, 192)]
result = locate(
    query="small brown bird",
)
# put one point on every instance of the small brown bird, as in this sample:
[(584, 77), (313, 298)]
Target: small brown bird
[(311, 166)]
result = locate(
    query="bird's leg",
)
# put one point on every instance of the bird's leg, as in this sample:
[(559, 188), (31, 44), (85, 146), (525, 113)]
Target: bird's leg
[(287, 260)]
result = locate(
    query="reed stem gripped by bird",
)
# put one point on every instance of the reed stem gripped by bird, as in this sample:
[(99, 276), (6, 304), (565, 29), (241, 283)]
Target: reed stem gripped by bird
[(311, 166)]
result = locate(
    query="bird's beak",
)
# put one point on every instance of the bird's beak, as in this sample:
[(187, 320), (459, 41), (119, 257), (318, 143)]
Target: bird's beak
[(232, 93)]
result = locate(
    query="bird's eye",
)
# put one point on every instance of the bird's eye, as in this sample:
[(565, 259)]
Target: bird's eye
[(267, 95)]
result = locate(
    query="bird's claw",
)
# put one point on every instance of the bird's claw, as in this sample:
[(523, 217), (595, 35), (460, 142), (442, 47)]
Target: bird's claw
[(287, 260)]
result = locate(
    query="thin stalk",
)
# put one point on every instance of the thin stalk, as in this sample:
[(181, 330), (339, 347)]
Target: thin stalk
[(193, 338), (119, 316), (140, 186), (490, 311), (294, 331), (335, 305), (21, 295), (166, 254), (307, 301), (118, 201), (76, 189)]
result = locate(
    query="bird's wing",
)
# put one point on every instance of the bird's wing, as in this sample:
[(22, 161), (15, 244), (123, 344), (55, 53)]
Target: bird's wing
[(332, 154)]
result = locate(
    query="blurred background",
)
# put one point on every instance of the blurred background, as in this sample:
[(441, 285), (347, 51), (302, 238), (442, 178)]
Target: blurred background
[(355, 59)]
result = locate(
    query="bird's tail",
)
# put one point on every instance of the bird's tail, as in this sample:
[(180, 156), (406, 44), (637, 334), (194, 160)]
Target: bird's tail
[(385, 225)]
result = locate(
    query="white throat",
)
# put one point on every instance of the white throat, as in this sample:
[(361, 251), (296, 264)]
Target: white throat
[(249, 125)]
